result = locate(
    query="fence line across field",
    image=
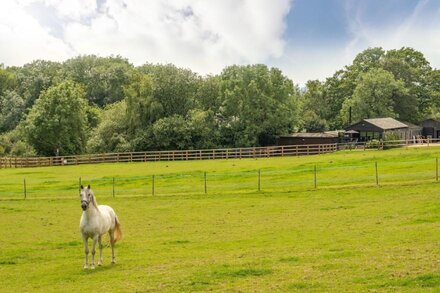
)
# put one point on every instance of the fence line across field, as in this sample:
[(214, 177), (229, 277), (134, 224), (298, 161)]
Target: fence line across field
[(310, 177), (205, 154), (176, 155)]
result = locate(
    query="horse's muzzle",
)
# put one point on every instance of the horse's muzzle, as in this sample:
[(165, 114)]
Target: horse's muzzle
[(84, 206)]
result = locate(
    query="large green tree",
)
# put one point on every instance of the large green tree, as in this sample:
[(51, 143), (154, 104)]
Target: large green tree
[(142, 108), (258, 104), (12, 108), (112, 133), (376, 95), (174, 88), (7, 80), (103, 78), (314, 112), (57, 123), (36, 77)]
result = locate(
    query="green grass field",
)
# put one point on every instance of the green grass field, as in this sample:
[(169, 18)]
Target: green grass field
[(347, 235)]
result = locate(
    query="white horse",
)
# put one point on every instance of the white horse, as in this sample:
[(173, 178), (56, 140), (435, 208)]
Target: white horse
[(95, 222)]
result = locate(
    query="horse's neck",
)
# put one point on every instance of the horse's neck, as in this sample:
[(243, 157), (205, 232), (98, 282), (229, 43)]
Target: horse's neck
[(93, 210)]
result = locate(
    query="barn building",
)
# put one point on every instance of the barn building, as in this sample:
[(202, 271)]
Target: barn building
[(307, 138), (431, 128), (376, 128)]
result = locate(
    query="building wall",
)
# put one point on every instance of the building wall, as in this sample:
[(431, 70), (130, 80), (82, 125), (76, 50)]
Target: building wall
[(431, 128), (285, 140)]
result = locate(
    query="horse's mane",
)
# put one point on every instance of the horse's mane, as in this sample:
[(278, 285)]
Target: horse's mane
[(94, 202)]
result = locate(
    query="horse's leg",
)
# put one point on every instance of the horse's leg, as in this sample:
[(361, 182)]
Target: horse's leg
[(100, 250), (95, 239), (86, 252), (112, 244)]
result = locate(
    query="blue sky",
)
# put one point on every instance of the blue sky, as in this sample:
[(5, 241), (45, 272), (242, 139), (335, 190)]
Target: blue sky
[(307, 39)]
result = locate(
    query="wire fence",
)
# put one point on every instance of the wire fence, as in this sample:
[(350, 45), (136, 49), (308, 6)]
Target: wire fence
[(305, 177)]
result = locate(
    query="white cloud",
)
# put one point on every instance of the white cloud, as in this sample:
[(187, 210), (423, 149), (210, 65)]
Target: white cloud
[(303, 64), (421, 31), (202, 35), (22, 39)]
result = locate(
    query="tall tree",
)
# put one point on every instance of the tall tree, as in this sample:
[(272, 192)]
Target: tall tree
[(411, 67), (36, 77), (258, 104), (174, 88), (56, 123), (142, 108), (7, 80), (12, 108), (314, 109), (112, 133), (103, 78), (376, 95)]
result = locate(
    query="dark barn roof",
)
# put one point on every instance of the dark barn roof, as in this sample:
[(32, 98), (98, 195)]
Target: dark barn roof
[(304, 138), (311, 135), (377, 124)]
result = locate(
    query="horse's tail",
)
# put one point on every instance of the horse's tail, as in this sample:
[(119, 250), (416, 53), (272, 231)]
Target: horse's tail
[(118, 231)]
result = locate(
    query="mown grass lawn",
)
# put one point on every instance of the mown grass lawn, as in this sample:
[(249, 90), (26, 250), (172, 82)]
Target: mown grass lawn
[(344, 236)]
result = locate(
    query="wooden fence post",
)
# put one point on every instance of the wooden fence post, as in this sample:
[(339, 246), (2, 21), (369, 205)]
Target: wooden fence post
[(24, 187), (206, 190), (436, 169), (377, 175), (113, 187), (152, 185), (259, 180), (315, 175)]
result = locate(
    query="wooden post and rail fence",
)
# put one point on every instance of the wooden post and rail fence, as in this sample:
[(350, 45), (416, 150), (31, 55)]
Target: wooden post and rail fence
[(176, 155), (204, 154)]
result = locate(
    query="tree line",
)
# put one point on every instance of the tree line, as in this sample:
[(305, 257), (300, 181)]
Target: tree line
[(92, 104)]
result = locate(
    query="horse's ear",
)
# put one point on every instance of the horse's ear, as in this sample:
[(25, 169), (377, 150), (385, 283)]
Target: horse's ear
[(82, 187), (88, 186)]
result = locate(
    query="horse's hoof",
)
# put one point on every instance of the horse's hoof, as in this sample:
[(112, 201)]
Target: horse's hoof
[(86, 267), (99, 264), (92, 267), (113, 262)]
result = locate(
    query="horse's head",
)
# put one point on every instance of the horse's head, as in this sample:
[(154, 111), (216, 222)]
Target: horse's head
[(86, 197)]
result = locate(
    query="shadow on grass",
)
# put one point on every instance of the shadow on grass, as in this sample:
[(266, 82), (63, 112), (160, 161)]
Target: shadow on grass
[(421, 281), (336, 253), (290, 259), (177, 242), (98, 269), (431, 280), (8, 262), (302, 286), (202, 279)]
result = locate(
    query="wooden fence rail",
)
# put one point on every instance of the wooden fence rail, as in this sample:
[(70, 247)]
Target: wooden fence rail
[(177, 155), (206, 154)]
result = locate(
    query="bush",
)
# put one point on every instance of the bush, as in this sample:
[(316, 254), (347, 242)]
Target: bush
[(373, 144), (391, 140)]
